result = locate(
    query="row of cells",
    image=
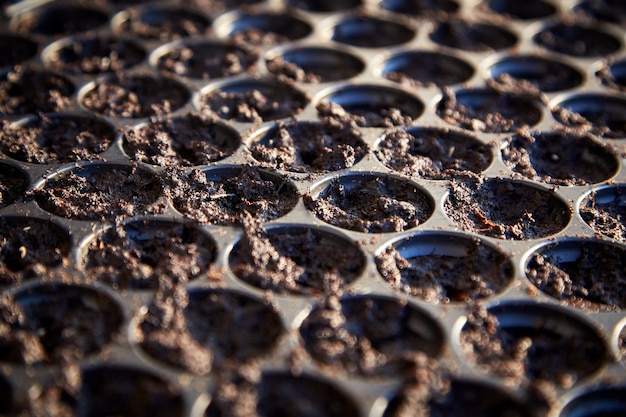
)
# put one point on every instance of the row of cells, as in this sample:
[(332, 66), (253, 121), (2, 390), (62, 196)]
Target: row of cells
[(437, 267), (366, 336), (168, 22), (124, 391)]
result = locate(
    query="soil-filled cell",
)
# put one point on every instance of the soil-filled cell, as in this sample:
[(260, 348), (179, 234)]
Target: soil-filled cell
[(426, 69), (13, 184), (315, 65), (160, 23), (604, 210), (577, 40), (599, 114)]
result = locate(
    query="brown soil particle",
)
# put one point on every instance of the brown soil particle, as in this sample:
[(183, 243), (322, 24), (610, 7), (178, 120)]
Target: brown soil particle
[(55, 324), (13, 183), (488, 111), (606, 217), (208, 61), (536, 351), (192, 139), (473, 37), (49, 139), (366, 114), (25, 90), (432, 153), (371, 205), (95, 55), (226, 196), (195, 331), (98, 192), (505, 209), (560, 158), (30, 248), (255, 105), (481, 272), (372, 337), (163, 23), (135, 96), (595, 278), (577, 40), (310, 147), (296, 260), (137, 255)]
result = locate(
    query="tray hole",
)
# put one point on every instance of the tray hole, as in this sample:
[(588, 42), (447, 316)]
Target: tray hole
[(58, 20), (576, 40), (426, 69), (296, 260), (584, 273), (283, 27), (15, 50), (506, 209), (532, 9), (370, 203), (443, 268), (474, 37), (599, 114), (325, 6), (602, 402), (612, 11), (371, 32), (163, 23), (545, 74), (420, 8), (13, 184), (604, 211)]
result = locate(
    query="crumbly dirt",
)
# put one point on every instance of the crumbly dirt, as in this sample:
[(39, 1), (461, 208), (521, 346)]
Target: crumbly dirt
[(474, 37), (311, 147), (535, 352), (30, 249), (131, 257), (597, 121), (258, 39), (365, 115), (53, 139), (192, 139), (505, 209), (481, 273), (62, 324), (577, 40), (135, 96), (596, 279), (311, 73), (560, 158), (227, 200), (208, 61), (377, 205), (13, 184), (88, 193), (494, 113), (14, 49), (611, 79), (298, 261), (95, 56), (367, 337), (164, 24), (194, 331), (607, 218), (432, 153), (26, 90), (278, 101)]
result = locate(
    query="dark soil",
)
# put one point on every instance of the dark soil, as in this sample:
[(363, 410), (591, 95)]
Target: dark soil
[(312, 71), (98, 192), (53, 139), (95, 55), (208, 61), (536, 351), (595, 279), (60, 20), (432, 153), (163, 23), (25, 90), (505, 209), (613, 74), (480, 273), (430, 69), (366, 114), (577, 40), (226, 196), (278, 394), (138, 255), (187, 140), (371, 205), (310, 147), (373, 337), (195, 331), (488, 111), (13, 184), (135, 96), (421, 8), (253, 105), (30, 248), (473, 37), (14, 50), (606, 217), (52, 324), (560, 158), (296, 260), (257, 39), (598, 118)]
